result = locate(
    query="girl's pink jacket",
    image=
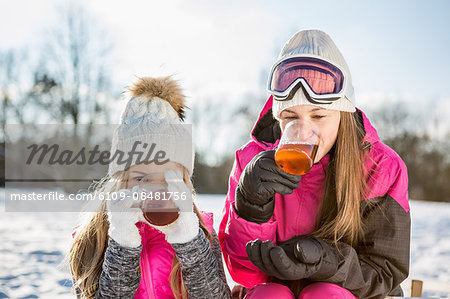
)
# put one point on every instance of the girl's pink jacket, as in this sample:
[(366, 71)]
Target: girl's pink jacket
[(156, 261), (294, 214)]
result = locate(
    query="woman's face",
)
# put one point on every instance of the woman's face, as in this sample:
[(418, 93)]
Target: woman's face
[(326, 120), (138, 171)]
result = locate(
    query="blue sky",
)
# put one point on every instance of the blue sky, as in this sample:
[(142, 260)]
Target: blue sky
[(395, 49)]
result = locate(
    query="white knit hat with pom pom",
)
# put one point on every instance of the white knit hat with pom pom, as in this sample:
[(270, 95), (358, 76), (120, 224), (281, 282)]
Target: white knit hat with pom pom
[(152, 122)]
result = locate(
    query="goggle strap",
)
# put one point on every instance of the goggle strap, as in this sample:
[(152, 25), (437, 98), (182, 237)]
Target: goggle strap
[(309, 98)]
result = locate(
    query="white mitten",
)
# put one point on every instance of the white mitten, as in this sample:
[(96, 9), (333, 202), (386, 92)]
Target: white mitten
[(123, 213), (185, 228)]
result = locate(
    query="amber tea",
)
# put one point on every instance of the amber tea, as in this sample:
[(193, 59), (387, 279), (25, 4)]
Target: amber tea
[(159, 212), (296, 158)]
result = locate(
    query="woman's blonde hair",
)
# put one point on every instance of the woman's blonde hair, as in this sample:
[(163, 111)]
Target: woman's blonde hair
[(86, 255), (339, 216)]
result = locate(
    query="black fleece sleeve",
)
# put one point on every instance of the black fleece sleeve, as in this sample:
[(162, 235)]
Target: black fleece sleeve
[(376, 267)]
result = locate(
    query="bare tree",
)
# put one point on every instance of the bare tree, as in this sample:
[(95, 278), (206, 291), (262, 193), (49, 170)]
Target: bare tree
[(70, 83), (14, 87), (73, 81)]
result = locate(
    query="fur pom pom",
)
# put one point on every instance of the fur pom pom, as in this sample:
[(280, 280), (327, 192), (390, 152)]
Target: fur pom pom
[(164, 88)]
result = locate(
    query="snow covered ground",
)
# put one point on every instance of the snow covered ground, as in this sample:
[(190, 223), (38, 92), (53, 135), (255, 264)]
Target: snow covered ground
[(33, 246)]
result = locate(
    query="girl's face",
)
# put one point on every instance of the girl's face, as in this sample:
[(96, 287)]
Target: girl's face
[(138, 171), (326, 120)]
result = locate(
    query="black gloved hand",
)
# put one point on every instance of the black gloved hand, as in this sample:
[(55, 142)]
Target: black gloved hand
[(298, 258), (259, 182)]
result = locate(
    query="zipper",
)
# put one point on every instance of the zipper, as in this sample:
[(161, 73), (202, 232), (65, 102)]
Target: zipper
[(146, 270)]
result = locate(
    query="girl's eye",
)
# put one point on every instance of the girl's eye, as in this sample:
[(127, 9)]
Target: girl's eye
[(138, 178), (318, 116), (290, 117)]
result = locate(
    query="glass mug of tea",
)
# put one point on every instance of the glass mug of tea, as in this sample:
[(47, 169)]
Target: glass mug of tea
[(157, 203), (298, 147)]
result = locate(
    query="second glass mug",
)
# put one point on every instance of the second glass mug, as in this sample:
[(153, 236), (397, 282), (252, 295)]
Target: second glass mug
[(158, 207), (298, 147)]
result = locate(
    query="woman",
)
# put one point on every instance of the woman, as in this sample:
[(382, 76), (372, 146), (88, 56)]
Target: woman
[(342, 230), (118, 254)]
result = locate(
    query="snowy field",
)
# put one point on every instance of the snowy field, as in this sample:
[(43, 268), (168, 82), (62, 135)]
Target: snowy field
[(33, 246)]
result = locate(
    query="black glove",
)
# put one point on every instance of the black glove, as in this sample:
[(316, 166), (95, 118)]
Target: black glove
[(259, 182), (298, 258)]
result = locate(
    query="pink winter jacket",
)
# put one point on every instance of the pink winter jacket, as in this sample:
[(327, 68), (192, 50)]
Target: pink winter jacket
[(156, 261), (373, 269)]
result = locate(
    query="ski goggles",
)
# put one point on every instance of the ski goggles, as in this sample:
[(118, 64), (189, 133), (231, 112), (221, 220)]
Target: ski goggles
[(323, 81)]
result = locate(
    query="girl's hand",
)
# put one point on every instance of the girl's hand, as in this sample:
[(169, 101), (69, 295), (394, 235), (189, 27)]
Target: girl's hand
[(186, 227), (123, 213), (298, 258), (260, 180)]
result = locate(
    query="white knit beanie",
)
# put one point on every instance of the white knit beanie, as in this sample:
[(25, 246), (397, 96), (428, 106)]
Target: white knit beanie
[(318, 44), (153, 116)]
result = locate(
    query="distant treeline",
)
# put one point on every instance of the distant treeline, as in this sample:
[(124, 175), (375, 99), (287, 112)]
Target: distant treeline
[(428, 168)]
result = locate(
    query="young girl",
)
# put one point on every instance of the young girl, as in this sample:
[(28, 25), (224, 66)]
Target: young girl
[(118, 254), (341, 230)]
